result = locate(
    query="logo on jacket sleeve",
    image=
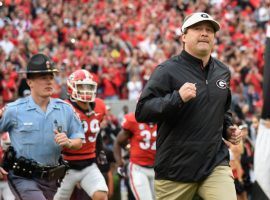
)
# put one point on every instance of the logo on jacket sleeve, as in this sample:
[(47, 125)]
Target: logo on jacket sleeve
[(221, 84)]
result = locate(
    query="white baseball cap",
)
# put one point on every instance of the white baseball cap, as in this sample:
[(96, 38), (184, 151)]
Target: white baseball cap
[(199, 17)]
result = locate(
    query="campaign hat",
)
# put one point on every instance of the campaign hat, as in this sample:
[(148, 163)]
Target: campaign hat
[(38, 64)]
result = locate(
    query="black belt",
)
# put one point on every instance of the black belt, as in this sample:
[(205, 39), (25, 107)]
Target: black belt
[(29, 168), (148, 166), (80, 164), (43, 172), (54, 173)]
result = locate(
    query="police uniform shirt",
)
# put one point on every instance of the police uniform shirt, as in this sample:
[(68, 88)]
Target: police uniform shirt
[(32, 130)]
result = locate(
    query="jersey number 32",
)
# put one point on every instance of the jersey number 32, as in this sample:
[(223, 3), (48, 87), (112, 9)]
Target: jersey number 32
[(146, 143)]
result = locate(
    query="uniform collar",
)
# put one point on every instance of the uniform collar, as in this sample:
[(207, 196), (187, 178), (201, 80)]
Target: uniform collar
[(33, 106), (193, 59)]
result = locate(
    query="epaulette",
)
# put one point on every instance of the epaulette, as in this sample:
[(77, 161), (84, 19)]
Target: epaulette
[(18, 102), (60, 101)]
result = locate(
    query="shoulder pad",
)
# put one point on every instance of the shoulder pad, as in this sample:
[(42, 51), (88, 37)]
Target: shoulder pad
[(130, 117), (100, 102)]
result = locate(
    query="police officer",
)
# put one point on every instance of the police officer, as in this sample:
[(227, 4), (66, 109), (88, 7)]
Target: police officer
[(39, 127)]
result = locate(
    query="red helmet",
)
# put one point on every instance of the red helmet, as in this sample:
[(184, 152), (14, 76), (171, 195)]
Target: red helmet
[(81, 86)]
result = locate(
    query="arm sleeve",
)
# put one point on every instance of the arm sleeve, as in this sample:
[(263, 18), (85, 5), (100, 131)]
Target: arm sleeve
[(266, 82), (159, 99), (75, 129), (7, 120), (227, 117)]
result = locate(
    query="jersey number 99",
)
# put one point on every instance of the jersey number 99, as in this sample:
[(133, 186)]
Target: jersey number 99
[(93, 129)]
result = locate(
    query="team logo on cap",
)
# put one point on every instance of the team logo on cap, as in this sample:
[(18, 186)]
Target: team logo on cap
[(221, 84), (204, 15)]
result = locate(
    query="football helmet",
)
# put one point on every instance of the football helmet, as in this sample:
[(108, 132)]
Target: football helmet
[(81, 86)]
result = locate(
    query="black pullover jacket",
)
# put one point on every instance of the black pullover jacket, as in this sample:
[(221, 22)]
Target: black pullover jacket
[(189, 137)]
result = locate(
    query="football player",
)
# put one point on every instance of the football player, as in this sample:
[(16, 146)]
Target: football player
[(83, 168), (142, 140)]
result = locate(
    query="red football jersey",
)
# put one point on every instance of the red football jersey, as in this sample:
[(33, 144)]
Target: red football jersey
[(91, 125), (142, 142)]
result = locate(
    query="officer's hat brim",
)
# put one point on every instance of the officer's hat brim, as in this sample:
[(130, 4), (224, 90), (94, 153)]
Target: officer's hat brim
[(40, 64), (39, 71)]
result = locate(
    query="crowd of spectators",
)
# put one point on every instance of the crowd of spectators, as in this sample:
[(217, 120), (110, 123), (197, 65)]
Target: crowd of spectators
[(121, 42)]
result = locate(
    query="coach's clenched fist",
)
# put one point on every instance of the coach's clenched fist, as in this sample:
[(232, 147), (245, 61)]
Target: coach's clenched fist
[(187, 91)]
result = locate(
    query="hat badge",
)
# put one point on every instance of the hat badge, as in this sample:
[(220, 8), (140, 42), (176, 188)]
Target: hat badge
[(48, 64)]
